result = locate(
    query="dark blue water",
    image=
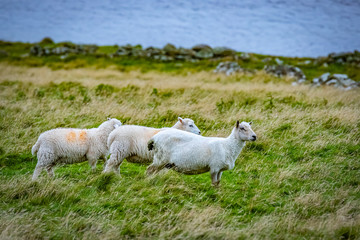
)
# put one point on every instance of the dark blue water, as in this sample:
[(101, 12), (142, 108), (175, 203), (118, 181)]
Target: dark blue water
[(290, 28)]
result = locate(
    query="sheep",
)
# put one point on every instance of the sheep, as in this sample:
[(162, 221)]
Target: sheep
[(71, 145), (130, 142), (192, 154)]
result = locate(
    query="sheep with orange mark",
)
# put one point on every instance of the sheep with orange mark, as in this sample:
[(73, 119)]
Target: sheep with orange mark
[(71, 145), (130, 142)]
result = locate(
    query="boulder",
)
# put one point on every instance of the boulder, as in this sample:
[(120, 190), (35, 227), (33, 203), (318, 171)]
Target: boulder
[(170, 49), (60, 50), (341, 81), (152, 51), (36, 50), (200, 47), (285, 71), (352, 58), (204, 53), (223, 52), (245, 56), (228, 68), (279, 62)]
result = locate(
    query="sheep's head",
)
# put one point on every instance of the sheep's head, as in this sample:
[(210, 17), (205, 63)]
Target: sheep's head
[(188, 125), (244, 131), (114, 122)]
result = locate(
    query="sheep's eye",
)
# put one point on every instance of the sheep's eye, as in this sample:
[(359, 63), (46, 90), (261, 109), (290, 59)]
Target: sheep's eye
[(191, 125), (242, 128)]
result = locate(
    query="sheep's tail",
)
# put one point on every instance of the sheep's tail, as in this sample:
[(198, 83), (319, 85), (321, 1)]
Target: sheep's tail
[(151, 144), (35, 148)]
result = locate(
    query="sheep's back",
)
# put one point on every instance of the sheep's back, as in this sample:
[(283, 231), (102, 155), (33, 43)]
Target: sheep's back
[(66, 141)]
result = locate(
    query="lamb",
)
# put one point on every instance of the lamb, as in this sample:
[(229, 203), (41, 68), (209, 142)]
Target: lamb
[(71, 145), (192, 154), (130, 142)]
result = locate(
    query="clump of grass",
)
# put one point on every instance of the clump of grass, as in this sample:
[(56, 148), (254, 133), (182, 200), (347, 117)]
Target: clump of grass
[(104, 90)]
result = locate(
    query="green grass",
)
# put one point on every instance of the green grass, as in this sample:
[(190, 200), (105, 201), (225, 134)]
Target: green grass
[(299, 180)]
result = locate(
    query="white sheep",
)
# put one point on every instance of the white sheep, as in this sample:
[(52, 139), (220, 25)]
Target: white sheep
[(71, 145), (193, 154), (130, 142)]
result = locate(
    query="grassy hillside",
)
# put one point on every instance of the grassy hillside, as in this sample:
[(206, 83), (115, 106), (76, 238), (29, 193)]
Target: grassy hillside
[(299, 180)]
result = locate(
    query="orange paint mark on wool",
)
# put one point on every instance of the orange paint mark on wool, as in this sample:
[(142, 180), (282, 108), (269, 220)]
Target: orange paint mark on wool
[(150, 134), (71, 136), (83, 136)]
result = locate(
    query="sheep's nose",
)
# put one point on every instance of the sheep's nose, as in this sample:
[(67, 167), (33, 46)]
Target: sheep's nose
[(253, 137), (199, 133)]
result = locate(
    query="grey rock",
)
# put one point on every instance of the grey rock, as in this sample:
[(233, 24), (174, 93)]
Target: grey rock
[(152, 51), (137, 52), (324, 77), (341, 58), (278, 61), (245, 56), (332, 82), (285, 71), (170, 49), (60, 50), (200, 47), (123, 51), (341, 81), (186, 51), (36, 50), (346, 82), (204, 53), (340, 76), (228, 68), (165, 58), (223, 52)]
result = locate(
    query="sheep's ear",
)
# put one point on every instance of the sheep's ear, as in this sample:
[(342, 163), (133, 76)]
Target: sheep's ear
[(181, 120), (237, 124), (250, 122), (108, 118)]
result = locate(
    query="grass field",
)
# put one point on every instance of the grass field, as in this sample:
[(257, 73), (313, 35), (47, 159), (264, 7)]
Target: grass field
[(299, 180)]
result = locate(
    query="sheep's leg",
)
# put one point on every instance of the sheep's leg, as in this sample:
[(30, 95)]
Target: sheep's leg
[(116, 159), (153, 168), (37, 171), (92, 160), (219, 177), (50, 171), (46, 158), (118, 154), (105, 161), (92, 163), (214, 178)]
